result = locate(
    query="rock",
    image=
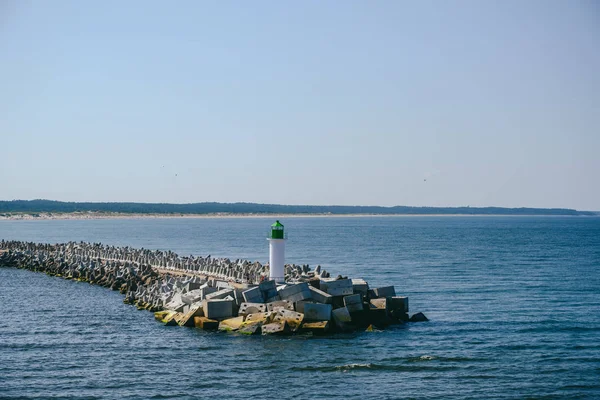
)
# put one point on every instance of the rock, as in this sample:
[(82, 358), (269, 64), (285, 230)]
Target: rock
[(418, 317)]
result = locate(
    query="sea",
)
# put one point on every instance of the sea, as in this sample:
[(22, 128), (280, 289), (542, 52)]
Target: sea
[(513, 306)]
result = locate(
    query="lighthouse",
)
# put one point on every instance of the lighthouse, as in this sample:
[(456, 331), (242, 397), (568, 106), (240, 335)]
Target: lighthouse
[(276, 252)]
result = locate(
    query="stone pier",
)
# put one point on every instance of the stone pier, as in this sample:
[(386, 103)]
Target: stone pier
[(212, 293)]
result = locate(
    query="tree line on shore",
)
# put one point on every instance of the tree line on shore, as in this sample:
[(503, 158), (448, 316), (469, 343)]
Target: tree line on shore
[(52, 206)]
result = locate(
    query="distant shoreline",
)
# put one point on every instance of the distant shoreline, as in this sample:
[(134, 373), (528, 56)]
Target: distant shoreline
[(90, 215)]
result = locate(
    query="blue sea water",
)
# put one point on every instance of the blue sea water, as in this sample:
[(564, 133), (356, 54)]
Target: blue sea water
[(513, 302)]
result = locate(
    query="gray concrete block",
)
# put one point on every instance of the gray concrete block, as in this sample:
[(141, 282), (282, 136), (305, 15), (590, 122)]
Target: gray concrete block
[(299, 305), (353, 299), (386, 291), (324, 282), (283, 304), (355, 307), (304, 295), (206, 290), (353, 303), (341, 287), (399, 303), (265, 286), (360, 286), (341, 317), (317, 312), (221, 294), (192, 296), (273, 299), (291, 290), (320, 296), (222, 285), (217, 308), (253, 295)]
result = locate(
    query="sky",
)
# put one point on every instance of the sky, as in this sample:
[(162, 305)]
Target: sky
[(428, 103)]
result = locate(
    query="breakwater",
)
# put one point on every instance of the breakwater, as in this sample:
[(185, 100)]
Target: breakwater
[(217, 293)]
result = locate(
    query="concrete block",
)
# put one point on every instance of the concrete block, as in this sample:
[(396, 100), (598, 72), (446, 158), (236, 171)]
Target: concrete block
[(342, 318), (273, 299), (399, 303), (165, 316), (206, 290), (304, 295), (341, 287), (386, 291), (324, 282), (237, 295), (269, 294), (231, 324), (220, 285), (281, 304), (317, 312), (299, 305), (253, 295), (355, 307), (379, 304), (206, 323), (276, 328), (353, 303), (175, 305), (171, 319), (291, 290), (320, 296), (217, 308), (250, 328), (264, 317), (294, 319), (265, 286), (192, 286), (221, 294), (319, 327), (252, 308), (352, 299), (192, 296), (187, 319), (360, 286)]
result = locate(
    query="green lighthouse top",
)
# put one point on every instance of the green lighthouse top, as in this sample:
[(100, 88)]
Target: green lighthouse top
[(276, 230)]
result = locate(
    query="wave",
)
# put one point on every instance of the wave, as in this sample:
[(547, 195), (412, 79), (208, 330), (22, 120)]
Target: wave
[(373, 367)]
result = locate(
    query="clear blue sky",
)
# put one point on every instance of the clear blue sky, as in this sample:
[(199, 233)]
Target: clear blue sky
[(435, 103)]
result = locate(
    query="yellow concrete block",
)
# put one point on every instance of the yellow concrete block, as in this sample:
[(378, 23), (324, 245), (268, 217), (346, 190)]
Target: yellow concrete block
[(231, 324), (206, 323)]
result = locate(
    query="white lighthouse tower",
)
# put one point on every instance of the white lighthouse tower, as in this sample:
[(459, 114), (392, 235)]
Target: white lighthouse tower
[(276, 253)]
